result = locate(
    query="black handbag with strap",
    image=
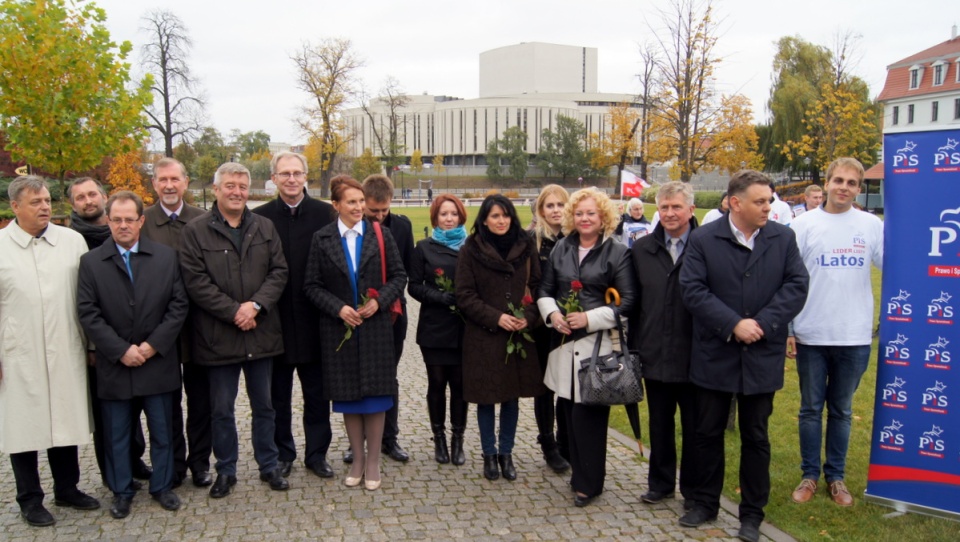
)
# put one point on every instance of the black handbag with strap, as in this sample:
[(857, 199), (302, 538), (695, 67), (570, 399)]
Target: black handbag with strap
[(614, 378)]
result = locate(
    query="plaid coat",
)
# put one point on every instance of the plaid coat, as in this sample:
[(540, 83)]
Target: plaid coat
[(365, 365)]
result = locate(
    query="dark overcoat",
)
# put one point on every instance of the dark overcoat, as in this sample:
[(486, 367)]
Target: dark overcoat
[(661, 327), (299, 318), (116, 313), (439, 327), (364, 366), (486, 283), (724, 282)]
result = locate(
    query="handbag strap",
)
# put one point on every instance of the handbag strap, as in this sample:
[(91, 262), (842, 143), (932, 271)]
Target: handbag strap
[(624, 340), (383, 255)]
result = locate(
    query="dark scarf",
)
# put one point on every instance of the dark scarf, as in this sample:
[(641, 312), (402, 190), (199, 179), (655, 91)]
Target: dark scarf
[(502, 243), (94, 234)]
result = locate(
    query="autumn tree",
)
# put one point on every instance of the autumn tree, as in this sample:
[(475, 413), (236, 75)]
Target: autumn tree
[(386, 122), (365, 165), (562, 151), (416, 161), (734, 144), (66, 98), (619, 143), (437, 163), (177, 109), (649, 97), (250, 143), (327, 73), (494, 158), (126, 173)]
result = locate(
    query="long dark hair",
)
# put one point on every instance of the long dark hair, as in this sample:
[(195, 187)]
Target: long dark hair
[(487, 207)]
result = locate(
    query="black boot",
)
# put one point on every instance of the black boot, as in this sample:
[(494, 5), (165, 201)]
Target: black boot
[(456, 446), (440, 444), (506, 466), (491, 471), (551, 453)]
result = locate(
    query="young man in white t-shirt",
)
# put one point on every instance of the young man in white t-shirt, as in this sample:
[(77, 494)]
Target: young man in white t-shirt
[(812, 198), (831, 336)]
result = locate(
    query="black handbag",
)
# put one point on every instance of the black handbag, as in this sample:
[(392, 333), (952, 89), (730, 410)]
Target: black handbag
[(611, 379)]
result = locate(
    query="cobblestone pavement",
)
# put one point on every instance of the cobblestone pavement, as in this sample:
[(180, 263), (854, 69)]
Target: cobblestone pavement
[(418, 500)]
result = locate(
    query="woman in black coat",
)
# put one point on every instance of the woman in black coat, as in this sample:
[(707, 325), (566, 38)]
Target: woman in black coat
[(546, 232), (356, 334), (496, 271), (589, 260), (433, 271)]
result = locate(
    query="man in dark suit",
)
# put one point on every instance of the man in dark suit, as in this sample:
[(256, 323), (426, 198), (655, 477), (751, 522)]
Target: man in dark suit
[(164, 223), (378, 190), (297, 217), (661, 330), (743, 281), (132, 304)]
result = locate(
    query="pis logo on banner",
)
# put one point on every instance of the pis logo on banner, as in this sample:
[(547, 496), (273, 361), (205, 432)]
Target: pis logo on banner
[(894, 396), (936, 356), (942, 236), (947, 157), (898, 310), (939, 310), (931, 445), (934, 400), (905, 160), (891, 438), (896, 351)]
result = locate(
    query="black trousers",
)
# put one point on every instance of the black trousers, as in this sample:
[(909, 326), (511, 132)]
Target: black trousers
[(316, 412), (546, 407), (391, 428), (138, 444), (663, 398), (588, 445), (64, 465), (754, 412), (196, 385)]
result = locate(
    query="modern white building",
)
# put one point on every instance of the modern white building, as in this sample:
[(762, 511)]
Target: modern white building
[(526, 85)]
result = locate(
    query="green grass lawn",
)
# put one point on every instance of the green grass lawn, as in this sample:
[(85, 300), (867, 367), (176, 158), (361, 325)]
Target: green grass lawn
[(819, 519)]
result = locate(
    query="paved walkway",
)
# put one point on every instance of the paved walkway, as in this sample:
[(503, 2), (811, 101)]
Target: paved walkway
[(418, 500)]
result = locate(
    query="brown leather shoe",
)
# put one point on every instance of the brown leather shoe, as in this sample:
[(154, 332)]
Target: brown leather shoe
[(840, 494), (805, 491)]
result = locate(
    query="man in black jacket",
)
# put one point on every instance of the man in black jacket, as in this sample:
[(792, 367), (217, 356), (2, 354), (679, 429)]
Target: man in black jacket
[(743, 280), (297, 217), (662, 330)]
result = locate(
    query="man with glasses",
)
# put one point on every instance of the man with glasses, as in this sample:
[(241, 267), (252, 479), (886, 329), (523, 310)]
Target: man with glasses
[(297, 216)]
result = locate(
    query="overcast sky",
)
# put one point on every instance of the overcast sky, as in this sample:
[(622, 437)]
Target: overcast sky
[(242, 48)]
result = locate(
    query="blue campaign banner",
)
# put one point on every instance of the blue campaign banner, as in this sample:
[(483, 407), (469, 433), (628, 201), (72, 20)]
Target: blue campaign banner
[(915, 454)]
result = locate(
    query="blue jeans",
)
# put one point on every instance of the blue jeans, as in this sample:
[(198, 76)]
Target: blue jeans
[(224, 382), (486, 421), (828, 374)]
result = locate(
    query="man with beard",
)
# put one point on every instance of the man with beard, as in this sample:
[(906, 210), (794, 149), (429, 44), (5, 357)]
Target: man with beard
[(88, 199)]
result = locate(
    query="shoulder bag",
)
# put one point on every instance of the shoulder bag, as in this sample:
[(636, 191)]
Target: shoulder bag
[(611, 379)]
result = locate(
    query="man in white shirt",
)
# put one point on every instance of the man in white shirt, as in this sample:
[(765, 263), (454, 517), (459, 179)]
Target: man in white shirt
[(812, 198), (780, 211), (831, 336)]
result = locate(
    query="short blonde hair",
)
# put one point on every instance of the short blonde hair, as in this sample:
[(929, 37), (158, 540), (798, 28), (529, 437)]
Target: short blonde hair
[(609, 217)]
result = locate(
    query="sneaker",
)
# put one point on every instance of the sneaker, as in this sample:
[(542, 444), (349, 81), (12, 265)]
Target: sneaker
[(805, 491), (840, 494)]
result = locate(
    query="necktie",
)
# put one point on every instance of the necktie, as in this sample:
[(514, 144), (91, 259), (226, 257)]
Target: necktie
[(674, 248), (126, 261), (173, 217), (293, 211)]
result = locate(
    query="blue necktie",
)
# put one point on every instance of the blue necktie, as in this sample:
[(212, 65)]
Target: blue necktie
[(126, 261), (173, 217)]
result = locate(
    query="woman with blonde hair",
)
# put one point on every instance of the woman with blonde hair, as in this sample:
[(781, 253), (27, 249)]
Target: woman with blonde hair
[(582, 266)]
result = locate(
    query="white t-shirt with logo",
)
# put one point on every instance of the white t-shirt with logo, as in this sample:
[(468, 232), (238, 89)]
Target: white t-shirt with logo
[(837, 250), (780, 211)]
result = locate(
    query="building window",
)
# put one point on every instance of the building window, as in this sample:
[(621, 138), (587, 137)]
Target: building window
[(938, 73), (910, 114), (934, 111), (916, 75), (896, 115), (956, 109)]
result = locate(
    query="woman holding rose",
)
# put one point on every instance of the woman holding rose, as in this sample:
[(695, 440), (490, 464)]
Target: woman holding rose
[(583, 265), (344, 281), (497, 269), (433, 273)]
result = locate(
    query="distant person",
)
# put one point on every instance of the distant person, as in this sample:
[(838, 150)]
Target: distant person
[(834, 330), (743, 280), (780, 211), (132, 304), (722, 209), (43, 382), (812, 198), (633, 225)]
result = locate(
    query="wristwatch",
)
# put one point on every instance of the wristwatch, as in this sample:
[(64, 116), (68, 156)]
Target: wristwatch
[(257, 306)]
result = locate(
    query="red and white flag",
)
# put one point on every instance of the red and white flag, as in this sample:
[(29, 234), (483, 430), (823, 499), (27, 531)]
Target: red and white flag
[(631, 186)]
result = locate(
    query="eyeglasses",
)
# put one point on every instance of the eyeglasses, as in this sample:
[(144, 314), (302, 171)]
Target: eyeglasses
[(127, 221), (286, 175)]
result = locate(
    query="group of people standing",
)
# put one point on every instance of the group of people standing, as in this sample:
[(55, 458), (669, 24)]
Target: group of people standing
[(302, 286)]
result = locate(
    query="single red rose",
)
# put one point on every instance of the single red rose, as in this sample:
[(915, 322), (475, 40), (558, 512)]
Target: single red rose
[(527, 300), (438, 271), (372, 293), (576, 286)]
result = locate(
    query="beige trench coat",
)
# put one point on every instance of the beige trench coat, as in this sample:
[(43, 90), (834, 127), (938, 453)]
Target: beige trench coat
[(44, 401), (564, 361)]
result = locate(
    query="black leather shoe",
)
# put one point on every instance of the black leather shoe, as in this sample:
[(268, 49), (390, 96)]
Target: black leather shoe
[(285, 467), (582, 500), (750, 532), (78, 500), (137, 485), (222, 487), (275, 479), (168, 500), (655, 497), (321, 468), (202, 479), (395, 452), (491, 470), (37, 515), (141, 471), (348, 456), (696, 517), (506, 466), (688, 505), (121, 507)]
